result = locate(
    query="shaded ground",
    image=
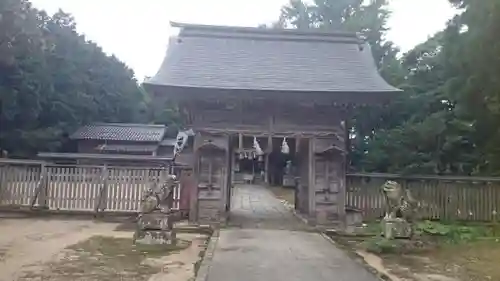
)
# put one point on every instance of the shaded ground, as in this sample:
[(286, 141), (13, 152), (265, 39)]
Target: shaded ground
[(284, 194), (436, 261), (254, 206), (64, 250)]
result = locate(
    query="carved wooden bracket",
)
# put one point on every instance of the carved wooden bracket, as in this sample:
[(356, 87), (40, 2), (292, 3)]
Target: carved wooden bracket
[(327, 146), (208, 141), (329, 150), (210, 144)]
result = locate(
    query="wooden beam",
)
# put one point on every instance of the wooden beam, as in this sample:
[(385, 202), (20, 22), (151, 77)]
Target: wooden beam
[(262, 132)]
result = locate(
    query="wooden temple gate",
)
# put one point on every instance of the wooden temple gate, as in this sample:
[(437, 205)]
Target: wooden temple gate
[(321, 173), (232, 82)]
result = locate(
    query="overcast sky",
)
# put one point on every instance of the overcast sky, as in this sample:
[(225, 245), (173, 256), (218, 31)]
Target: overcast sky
[(137, 31)]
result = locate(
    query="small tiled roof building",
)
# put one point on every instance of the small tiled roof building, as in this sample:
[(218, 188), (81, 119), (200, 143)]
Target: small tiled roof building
[(119, 138)]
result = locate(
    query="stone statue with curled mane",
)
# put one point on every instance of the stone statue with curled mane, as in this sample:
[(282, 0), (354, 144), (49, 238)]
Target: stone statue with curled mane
[(401, 211), (156, 218), (154, 197)]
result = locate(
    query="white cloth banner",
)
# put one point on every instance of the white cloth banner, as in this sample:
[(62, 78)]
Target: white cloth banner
[(181, 141), (257, 148), (284, 147)]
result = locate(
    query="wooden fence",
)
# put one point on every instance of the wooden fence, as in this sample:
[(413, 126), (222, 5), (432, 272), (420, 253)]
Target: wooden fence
[(441, 197), (78, 188)]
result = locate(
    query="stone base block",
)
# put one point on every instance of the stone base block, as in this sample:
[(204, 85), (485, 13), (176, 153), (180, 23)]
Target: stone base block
[(155, 221), (209, 212), (155, 237), (353, 220), (327, 215), (396, 228)]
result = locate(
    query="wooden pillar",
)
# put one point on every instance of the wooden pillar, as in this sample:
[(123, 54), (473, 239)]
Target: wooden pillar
[(211, 168), (193, 199), (269, 149), (311, 186), (347, 139), (328, 182), (296, 164), (233, 165), (240, 142)]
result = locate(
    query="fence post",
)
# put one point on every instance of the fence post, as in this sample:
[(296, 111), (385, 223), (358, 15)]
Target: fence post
[(101, 200), (40, 195), (44, 186), (3, 180)]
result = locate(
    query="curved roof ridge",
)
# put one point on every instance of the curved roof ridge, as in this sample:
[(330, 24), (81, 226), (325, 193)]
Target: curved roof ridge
[(238, 30)]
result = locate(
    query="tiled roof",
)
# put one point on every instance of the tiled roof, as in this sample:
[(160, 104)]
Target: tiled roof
[(121, 132), (127, 148), (269, 59)]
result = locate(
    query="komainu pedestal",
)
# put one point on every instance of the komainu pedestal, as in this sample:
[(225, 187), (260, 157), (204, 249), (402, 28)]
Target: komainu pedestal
[(155, 228), (396, 228), (155, 224)]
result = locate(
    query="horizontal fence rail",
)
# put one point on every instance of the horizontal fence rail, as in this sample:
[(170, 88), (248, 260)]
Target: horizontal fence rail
[(440, 197), (77, 187)]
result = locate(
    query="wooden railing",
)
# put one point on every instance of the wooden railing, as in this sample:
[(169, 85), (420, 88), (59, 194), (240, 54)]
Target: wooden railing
[(79, 188), (441, 197)]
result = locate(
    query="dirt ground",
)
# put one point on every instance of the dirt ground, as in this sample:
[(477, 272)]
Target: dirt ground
[(63, 250), (477, 261), (466, 261)]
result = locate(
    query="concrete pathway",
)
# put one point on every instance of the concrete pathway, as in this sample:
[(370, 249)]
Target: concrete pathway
[(254, 206), (266, 245)]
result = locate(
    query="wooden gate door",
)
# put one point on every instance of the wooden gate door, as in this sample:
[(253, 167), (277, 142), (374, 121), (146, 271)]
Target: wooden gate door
[(211, 182)]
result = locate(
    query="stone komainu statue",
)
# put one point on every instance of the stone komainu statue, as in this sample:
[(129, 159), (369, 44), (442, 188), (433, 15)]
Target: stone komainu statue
[(153, 197), (155, 222), (399, 202)]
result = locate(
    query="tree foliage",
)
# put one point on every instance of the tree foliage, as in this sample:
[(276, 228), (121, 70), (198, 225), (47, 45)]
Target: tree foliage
[(448, 118), (54, 80)]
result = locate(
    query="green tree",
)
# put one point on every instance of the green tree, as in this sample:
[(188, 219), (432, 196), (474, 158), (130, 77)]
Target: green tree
[(54, 80), (452, 77), (347, 15), (448, 118)]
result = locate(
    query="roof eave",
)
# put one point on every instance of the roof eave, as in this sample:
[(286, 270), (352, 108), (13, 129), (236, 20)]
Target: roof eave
[(176, 92), (56, 155)]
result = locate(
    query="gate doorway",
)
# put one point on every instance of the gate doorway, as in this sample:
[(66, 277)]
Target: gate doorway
[(281, 166), (273, 169)]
